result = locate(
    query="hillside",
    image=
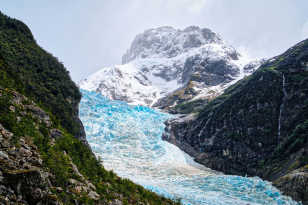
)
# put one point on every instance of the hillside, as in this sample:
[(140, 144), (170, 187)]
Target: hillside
[(258, 126), (30, 70), (44, 156)]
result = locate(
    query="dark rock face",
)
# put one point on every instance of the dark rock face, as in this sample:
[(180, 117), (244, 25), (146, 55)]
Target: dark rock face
[(207, 71), (199, 72), (295, 184), (259, 126), (22, 178)]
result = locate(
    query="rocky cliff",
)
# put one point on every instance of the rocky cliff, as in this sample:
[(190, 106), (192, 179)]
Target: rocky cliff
[(44, 156), (258, 126)]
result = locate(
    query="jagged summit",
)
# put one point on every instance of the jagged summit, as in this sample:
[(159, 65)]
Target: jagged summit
[(169, 42), (162, 63)]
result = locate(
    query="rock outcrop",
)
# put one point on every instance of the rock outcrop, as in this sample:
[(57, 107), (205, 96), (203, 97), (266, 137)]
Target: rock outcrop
[(295, 184), (258, 126), (24, 179)]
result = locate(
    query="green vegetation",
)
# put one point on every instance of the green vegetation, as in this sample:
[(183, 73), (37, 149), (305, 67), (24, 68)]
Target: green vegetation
[(294, 142), (56, 157), (246, 118), (190, 107), (31, 71)]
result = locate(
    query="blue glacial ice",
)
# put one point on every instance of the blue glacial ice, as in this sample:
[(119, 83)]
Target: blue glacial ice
[(128, 139)]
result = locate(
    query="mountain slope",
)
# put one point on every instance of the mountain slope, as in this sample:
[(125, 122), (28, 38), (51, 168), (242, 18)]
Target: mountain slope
[(257, 126), (163, 61), (32, 71), (44, 157)]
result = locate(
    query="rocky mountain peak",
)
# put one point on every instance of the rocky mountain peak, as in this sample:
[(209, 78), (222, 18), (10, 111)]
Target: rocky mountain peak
[(169, 42), (166, 66)]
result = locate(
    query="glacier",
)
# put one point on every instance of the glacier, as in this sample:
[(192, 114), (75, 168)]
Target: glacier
[(128, 139)]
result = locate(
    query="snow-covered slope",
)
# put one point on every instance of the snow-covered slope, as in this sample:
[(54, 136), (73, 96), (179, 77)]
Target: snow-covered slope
[(168, 42), (127, 83), (164, 60)]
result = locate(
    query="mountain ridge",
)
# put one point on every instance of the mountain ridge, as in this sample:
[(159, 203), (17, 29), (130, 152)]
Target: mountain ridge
[(169, 42), (165, 59)]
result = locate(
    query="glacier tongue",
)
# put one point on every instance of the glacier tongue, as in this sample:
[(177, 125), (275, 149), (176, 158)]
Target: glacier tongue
[(128, 138)]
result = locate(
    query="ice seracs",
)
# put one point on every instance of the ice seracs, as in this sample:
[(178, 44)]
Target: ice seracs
[(164, 60)]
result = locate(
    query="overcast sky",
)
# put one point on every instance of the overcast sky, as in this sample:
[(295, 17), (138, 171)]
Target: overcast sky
[(88, 35)]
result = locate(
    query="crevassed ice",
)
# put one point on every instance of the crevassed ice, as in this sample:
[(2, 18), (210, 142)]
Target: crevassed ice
[(128, 138)]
